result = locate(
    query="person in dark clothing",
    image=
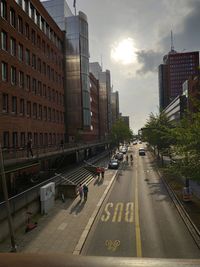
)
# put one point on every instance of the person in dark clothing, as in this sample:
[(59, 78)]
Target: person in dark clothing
[(85, 191), (102, 172), (29, 148)]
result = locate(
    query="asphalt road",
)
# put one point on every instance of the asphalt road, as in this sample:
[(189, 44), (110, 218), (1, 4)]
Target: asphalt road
[(138, 218)]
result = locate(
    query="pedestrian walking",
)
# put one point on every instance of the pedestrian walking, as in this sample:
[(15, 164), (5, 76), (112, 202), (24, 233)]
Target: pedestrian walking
[(85, 191), (29, 148), (98, 170), (80, 190), (102, 172)]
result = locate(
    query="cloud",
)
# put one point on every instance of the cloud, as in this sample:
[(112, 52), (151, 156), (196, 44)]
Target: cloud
[(149, 61), (186, 37)]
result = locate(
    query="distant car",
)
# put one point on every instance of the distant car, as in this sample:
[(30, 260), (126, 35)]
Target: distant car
[(119, 156), (142, 151), (140, 142), (113, 164), (134, 142)]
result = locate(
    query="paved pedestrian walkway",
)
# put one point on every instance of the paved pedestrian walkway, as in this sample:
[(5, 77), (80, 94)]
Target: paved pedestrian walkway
[(65, 227)]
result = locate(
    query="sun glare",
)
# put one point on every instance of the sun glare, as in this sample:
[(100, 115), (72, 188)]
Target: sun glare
[(124, 51)]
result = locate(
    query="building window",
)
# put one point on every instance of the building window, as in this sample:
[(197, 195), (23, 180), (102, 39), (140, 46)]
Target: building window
[(44, 68), (26, 6), (27, 57), (15, 139), (21, 79), (45, 113), (4, 45), (12, 18), (45, 139), (4, 71), (50, 139), (43, 46), (38, 41), (32, 12), (49, 114), (35, 110), (27, 30), (20, 52), (20, 25), (28, 83), (49, 93), (3, 9), (6, 141), (35, 139), (44, 90), (53, 115), (39, 67), (40, 112), (38, 19), (22, 139), (28, 109), (14, 104), (5, 103), (13, 75), (39, 88), (34, 87), (13, 46), (21, 107), (34, 61), (33, 38), (41, 139)]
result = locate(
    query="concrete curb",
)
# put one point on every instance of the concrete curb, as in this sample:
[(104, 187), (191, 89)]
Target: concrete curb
[(85, 233)]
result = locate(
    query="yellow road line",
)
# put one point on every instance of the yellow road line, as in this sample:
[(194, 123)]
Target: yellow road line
[(137, 220)]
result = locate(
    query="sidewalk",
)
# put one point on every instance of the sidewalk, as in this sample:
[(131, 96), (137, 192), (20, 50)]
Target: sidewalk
[(66, 225)]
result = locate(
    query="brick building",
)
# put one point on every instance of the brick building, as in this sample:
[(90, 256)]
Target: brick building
[(32, 76)]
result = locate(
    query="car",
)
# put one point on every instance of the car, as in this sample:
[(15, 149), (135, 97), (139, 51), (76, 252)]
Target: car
[(142, 151), (119, 156), (140, 142), (134, 142), (113, 164)]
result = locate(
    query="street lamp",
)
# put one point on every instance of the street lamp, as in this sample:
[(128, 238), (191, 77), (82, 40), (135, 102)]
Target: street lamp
[(5, 191)]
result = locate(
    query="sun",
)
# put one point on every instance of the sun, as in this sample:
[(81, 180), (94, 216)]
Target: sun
[(124, 51)]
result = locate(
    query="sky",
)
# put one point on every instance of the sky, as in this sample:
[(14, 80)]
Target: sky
[(131, 37)]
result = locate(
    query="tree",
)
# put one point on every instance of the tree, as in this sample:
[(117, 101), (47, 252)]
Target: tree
[(187, 147), (120, 133), (157, 132)]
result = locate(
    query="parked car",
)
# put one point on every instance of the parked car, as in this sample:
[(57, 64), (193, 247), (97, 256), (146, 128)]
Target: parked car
[(134, 142), (113, 164), (142, 151), (119, 156)]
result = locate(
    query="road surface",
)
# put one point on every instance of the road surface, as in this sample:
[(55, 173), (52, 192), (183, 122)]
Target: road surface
[(138, 218)]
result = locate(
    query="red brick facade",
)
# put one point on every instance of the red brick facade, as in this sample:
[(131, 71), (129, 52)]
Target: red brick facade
[(31, 76)]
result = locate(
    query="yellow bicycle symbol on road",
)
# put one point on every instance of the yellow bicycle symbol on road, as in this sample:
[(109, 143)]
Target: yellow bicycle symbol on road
[(112, 244)]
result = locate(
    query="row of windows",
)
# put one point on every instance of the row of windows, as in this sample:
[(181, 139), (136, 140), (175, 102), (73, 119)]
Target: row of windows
[(20, 139), (30, 84), (34, 110), (24, 55), (29, 8)]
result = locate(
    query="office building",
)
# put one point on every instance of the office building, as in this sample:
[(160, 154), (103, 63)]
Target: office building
[(115, 106), (105, 123), (176, 68), (77, 91), (32, 77)]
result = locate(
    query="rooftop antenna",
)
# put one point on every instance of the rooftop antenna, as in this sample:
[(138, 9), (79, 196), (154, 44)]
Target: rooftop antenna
[(74, 5), (172, 42)]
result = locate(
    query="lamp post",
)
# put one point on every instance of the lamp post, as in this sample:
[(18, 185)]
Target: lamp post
[(5, 191)]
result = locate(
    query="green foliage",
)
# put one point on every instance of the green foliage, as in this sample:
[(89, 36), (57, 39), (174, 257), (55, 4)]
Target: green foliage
[(157, 132), (187, 147), (120, 132)]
